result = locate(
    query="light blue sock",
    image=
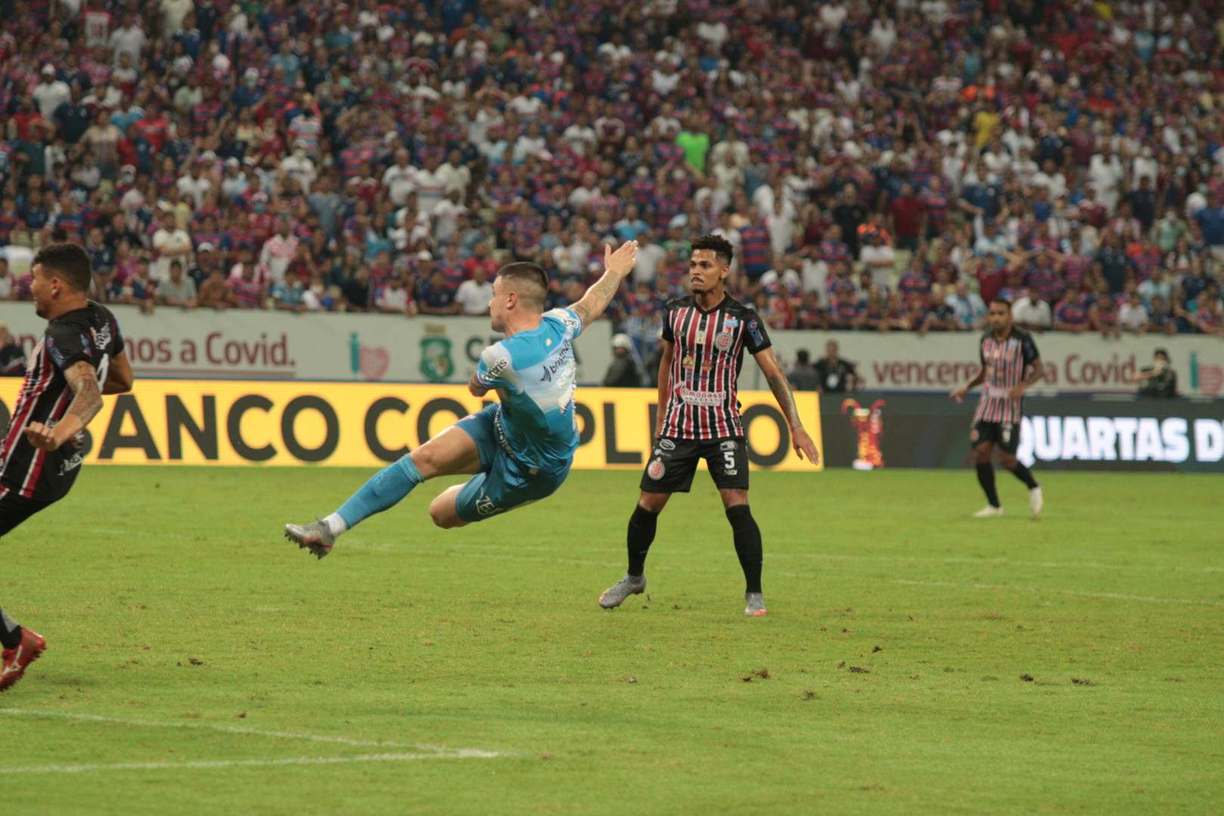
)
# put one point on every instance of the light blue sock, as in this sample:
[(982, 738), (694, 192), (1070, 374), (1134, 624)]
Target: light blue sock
[(385, 489)]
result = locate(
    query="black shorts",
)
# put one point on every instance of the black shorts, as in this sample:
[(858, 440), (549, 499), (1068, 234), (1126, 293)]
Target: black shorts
[(14, 510), (674, 461), (1004, 435)]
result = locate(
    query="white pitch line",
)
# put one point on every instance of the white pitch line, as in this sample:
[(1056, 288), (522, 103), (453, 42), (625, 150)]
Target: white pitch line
[(242, 730), (208, 764), (519, 552), (1109, 596)]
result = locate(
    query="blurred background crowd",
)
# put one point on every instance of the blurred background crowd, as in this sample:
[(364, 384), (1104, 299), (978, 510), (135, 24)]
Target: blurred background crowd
[(883, 166)]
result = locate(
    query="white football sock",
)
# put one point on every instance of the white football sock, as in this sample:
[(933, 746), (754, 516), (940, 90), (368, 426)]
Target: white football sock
[(335, 524)]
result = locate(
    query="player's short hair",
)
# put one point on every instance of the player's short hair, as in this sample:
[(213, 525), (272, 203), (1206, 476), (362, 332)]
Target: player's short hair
[(69, 261), (1003, 300), (530, 281), (721, 246), (1162, 354)]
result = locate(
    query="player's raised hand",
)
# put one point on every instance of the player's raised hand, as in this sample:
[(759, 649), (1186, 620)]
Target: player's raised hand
[(40, 436), (805, 447), (620, 262)]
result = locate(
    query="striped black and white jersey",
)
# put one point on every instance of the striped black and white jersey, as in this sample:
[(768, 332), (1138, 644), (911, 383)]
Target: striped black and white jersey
[(1004, 363), (707, 355), (90, 334)]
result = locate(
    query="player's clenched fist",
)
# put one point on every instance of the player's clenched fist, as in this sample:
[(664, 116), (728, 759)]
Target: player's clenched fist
[(40, 436)]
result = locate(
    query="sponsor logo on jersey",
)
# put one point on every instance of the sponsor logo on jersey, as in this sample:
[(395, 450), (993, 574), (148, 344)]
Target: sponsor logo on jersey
[(71, 463), (705, 398), (101, 337), (550, 369), (498, 368)]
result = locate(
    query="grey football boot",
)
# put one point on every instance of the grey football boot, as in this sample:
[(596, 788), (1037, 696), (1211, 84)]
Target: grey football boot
[(755, 605), (616, 594), (315, 536)]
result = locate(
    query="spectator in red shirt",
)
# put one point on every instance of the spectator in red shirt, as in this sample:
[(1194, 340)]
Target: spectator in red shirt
[(908, 216)]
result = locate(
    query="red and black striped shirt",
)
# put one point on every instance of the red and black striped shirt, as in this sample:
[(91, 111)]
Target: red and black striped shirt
[(707, 355), (1004, 363), (90, 334)]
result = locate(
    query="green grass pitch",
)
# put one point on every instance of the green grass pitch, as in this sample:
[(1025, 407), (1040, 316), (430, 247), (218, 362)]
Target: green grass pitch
[(914, 660)]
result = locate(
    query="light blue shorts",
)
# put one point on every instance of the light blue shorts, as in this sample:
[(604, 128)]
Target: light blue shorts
[(503, 483)]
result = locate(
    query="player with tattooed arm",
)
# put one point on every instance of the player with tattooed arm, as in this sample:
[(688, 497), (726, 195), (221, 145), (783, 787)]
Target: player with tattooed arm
[(79, 359)]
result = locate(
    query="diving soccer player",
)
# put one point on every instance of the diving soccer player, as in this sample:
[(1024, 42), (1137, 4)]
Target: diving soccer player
[(519, 449)]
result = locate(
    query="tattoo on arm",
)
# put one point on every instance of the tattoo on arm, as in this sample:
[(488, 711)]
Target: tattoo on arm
[(87, 399), (597, 298), (786, 400)]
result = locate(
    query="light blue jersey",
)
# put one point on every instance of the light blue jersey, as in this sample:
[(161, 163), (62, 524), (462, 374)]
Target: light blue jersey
[(534, 373)]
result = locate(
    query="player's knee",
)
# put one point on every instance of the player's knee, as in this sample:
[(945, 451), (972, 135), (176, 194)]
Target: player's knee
[(653, 502), (1008, 461), (426, 461), (734, 498), (444, 517)]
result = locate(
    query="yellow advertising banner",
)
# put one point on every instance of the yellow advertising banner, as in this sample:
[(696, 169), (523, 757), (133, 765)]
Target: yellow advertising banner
[(220, 422)]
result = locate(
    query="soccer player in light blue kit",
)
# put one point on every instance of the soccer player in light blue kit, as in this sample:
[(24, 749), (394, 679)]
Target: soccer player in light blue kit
[(519, 449)]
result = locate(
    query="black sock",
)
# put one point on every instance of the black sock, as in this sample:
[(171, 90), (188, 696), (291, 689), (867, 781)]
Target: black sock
[(10, 631), (747, 545), (986, 480), (1025, 475), (641, 533)]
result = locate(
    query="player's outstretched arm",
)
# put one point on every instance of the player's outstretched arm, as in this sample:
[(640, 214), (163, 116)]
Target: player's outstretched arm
[(617, 266), (786, 401), (119, 376), (86, 402)]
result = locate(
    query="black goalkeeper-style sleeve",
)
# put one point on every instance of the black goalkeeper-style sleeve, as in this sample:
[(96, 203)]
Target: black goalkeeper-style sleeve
[(756, 338), (117, 345), (667, 333), (1028, 349), (66, 345)]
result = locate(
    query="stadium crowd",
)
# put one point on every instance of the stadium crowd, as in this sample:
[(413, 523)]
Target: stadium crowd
[(877, 165)]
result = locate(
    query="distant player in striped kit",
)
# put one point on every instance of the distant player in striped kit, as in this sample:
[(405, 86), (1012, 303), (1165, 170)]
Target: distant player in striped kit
[(704, 338), (79, 359), (1010, 364)]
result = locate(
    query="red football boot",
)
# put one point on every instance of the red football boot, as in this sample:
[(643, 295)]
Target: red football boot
[(17, 659)]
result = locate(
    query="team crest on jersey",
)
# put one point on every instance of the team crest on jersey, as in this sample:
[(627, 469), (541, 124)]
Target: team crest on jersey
[(655, 469), (723, 341)]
